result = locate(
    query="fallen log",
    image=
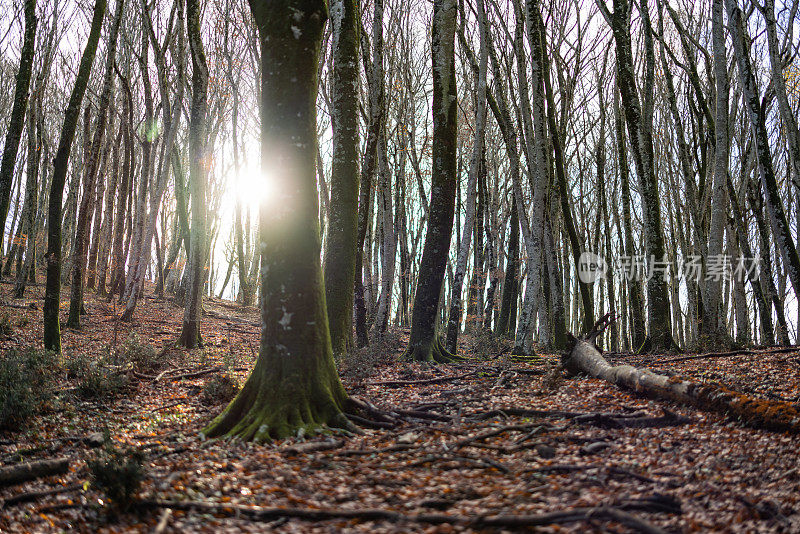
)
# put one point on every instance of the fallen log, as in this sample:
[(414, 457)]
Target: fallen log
[(17, 474), (584, 357), (255, 513)]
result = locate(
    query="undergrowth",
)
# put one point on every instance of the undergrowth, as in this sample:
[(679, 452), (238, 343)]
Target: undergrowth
[(27, 381)]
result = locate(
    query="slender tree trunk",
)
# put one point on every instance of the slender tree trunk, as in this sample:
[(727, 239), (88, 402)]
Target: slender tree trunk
[(510, 283), (639, 122), (31, 200), (123, 196), (376, 119), (109, 220), (715, 317), (20, 103), (190, 330), (52, 329), (342, 264), (388, 242), (423, 343), (92, 169), (454, 321), (777, 217)]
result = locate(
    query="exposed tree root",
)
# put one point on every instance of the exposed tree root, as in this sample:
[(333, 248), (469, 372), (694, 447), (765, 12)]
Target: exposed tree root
[(768, 414), (273, 405), (255, 513), (433, 352)]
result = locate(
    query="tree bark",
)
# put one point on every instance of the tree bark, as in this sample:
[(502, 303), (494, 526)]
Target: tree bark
[(423, 342), (20, 103), (341, 262), (52, 299), (92, 169), (777, 217), (454, 320), (639, 121), (294, 385), (198, 175)]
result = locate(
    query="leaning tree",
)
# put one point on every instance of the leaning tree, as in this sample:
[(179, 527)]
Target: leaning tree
[(294, 384), (424, 344), (52, 295)]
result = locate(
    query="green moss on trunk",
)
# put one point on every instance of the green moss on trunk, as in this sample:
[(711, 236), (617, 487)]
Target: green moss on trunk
[(294, 386)]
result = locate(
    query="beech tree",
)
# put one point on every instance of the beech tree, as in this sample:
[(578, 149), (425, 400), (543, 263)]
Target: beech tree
[(17, 119), (52, 297), (294, 384), (341, 243), (198, 171), (424, 344)]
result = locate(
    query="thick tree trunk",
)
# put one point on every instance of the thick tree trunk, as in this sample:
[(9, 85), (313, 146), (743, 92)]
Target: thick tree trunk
[(769, 414), (294, 385), (20, 103), (423, 343), (52, 329)]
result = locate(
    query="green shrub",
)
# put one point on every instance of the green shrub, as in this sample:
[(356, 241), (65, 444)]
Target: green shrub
[(96, 378), (6, 328), (27, 380), (117, 471), (222, 388), (142, 356)]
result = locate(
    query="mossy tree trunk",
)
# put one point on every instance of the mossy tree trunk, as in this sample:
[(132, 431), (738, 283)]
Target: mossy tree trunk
[(198, 174), (639, 119), (777, 216), (17, 120), (52, 296), (423, 343), (456, 304), (340, 247), (294, 384)]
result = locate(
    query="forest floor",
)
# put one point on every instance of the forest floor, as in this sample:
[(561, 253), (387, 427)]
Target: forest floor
[(467, 448)]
